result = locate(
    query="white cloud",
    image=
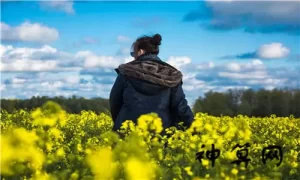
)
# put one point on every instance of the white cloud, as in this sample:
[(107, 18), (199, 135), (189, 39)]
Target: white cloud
[(273, 51), (18, 86), (65, 94), (249, 75), (4, 49), (91, 60), (252, 74), (72, 79), (2, 87), (101, 61), (226, 88), (121, 39), (269, 87), (207, 65), (28, 32), (190, 83), (29, 65), (179, 62), (251, 70), (41, 59), (51, 85), (61, 5), (31, 53), (235, 67), (10, 97), (268, 81), (265, 51), (48, 58), (128, 59), (18, 81), (50, 74), (255, 64), (82, 54)]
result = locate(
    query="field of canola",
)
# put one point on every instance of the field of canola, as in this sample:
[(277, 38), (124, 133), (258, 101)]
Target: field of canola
[(49, 143)]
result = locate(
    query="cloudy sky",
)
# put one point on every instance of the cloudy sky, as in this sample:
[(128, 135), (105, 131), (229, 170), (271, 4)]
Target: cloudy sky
[(69, 48)]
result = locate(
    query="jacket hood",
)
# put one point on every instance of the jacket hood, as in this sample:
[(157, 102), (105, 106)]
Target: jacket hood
[(150, 68)]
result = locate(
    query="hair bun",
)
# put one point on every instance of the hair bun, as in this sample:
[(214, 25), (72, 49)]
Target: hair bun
[(156, 39)]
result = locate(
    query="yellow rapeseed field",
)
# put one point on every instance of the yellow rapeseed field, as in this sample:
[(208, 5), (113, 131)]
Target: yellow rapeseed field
[(49, 143)]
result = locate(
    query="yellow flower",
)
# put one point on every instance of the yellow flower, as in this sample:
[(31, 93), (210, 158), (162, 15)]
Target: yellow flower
[(41, 176), (210, 142), (105, 169), (196, 178), (74, 176), (49, 146), (205, 162), (294, 164), (188, 171), (247, 134), (138, 170), (234, 171), (193, 146), (49, 114), (208, 127), (19, 146), (79, 148), (56, 133), (150, 122), (243, 177), (160, 154), (26, 147), (230, 155), (223, 174), (88, 151), (60, 152)]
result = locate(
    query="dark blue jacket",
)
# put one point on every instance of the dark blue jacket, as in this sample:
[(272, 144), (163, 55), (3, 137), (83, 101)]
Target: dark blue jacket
[(149, 85)]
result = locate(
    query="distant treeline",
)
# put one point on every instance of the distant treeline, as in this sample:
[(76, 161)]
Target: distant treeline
[(71, 105), (259, 103)]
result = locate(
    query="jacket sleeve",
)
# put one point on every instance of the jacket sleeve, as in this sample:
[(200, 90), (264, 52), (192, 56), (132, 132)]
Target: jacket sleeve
[(116, 96), (180, 105)]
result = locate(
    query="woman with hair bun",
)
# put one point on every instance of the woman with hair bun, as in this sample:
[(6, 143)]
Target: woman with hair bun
[(147, 85)]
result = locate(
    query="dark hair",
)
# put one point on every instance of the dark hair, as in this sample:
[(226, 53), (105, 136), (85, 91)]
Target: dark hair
[(148, 44)]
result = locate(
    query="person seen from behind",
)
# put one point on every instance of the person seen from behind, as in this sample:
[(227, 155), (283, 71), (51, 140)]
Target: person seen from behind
[(147, 84)]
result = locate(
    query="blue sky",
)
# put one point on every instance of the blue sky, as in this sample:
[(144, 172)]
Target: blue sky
[(65, 47)]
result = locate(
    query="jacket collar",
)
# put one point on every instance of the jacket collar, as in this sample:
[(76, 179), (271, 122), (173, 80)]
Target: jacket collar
[(144, 57), (148, 56), (152, 70)]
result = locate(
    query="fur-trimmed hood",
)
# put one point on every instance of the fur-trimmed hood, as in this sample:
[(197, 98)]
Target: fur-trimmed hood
[(150, 68)]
